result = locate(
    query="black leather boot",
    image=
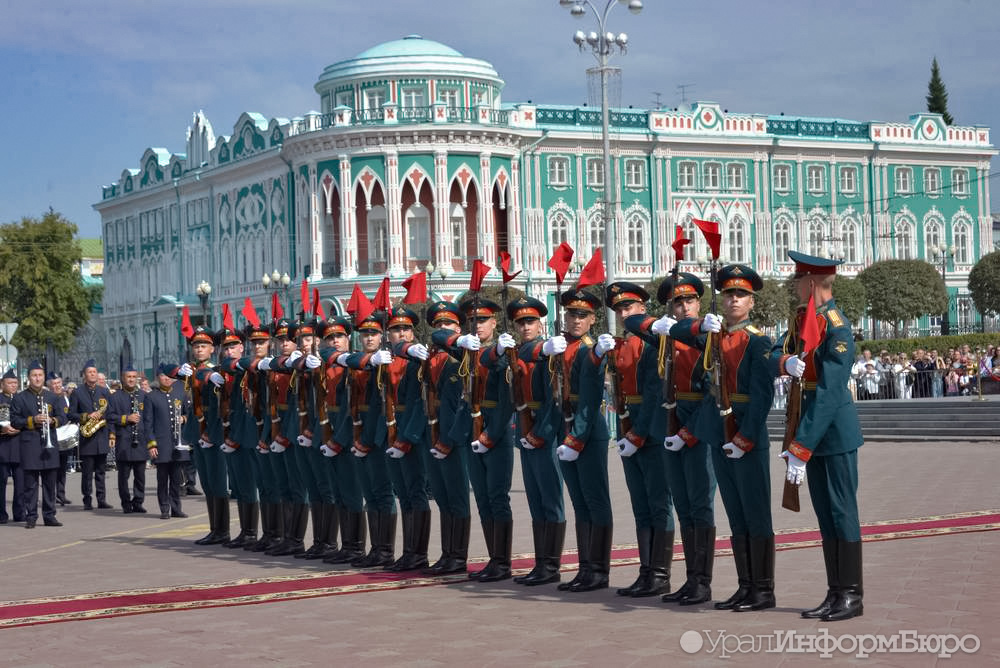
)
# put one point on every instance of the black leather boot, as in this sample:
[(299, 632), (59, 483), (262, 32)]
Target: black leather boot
[(221, 521), (583, 552), (267, 528), (661, 554), (387, 539), (741, 556), (537, 538), (331, 516), (207, 538), (317, 514), (704, 559), (488, 539), (372, 558), (422, 529), (553, 537), (352, 544), (600, 559), (687, 541), (295, 534), (499, 569), (850, 586), (240, 539), (830, 556), (644, 536), (408, 540), (761, 575), (286, 521), (445, 561), (461, 528)]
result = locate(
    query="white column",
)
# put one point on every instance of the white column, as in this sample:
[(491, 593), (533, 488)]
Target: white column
[(486, 230), (442, 251), (315, 227), (348, 226), (515, 231), (394, 213)]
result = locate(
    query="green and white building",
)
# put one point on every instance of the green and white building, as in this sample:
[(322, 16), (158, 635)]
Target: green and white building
[(415, 160)]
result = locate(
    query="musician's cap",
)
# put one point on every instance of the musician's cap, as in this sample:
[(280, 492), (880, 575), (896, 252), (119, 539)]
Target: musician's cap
[(280, 327), (201, 335), (128, 367), (444, 311), (621, 293), (35, 364), (373, 323), (739, 277), (687, 284), (812, 264), (526, 307), (53, 375), (484, 309), (89, 364), (335, 325), (400, 316), (226, 336), (309, 327), (10, 374), (167, 369), (579, 300)]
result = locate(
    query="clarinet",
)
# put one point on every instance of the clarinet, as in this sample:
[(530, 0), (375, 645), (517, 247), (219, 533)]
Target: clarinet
[(135, 427)]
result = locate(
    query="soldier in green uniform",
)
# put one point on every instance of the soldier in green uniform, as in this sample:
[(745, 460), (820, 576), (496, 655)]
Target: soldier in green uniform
[(448, 435), (583, 455), (740, 462), (828, 436), (538, 423), (637, 389)]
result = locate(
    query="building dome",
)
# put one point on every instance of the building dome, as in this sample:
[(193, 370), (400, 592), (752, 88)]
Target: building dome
[(411, 56)]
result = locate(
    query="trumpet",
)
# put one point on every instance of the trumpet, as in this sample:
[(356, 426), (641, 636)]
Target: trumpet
[(177, 427), (47, 425)]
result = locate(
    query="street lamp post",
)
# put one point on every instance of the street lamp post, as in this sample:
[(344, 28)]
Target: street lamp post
[(203, 290), (942, 253), (603, 44), (278, 281)]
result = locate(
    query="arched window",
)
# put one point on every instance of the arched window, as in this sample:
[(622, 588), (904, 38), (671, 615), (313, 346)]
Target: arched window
[(378, 235), (738, 251), (457, 222), (932, 237), (558, 228), (816, 234), (418, 233), (782, 239), (596, 225), (696, 248), (963, 252), (636, 229), (849, 233), (904, 240)]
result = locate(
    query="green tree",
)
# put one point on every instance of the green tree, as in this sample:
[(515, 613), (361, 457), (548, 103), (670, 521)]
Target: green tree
[(770, 304), (898, 290), (850, 296), (984, 284), (40, 286), (937, 95)]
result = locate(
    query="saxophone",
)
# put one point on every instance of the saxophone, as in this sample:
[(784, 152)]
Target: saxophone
[(90, 427)]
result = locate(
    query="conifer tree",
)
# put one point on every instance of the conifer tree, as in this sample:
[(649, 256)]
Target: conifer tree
[(937, 95)]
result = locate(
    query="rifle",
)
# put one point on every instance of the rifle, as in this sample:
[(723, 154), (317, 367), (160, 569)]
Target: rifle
[(666, 364), (384, 381), (717, 368), (429, 394), (621, 401), (525, 419), (560, 384), (793, 413)]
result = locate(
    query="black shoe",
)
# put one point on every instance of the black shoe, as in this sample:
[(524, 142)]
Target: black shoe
[(192, 491), (137, 508), (164, 516), (128, 508), (66, 502), (3, 520), (103, 505), (30, 524), (53, 523), (60, 502), (87, 506), (179, 513)]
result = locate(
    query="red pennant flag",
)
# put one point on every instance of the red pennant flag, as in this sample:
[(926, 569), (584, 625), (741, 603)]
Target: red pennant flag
[(276, 310), (479, 271), (381, 301), (363, 309), (559, 262), (250, 313), (186, 329), (306, 308), (416, 288), (227, 318), (505, 267), (355, 301), (710, 229), (593, 273), (318, 306), (679, 243), (810, 328)]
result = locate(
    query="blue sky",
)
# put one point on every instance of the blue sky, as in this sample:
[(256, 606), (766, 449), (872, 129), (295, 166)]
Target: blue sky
[(86, 87)]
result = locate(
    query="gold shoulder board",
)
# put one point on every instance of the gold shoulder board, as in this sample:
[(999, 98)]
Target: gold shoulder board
[(835, 318)]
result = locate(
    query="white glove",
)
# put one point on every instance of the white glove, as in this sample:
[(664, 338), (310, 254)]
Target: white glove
[(566, 454), (469, 342), (304, 441), (264, 364), (395, 453), (313, 362), (205, 444), (342, 359), (185, 370), (277, 447), (711, 323), (605, 342), (555, 345), (381, 357), (663, 325), (358, 453), (796, 472), (479, 448), (437, 454), (238, 365), (226, 448), (418, 351), (505, 341), (327, 451), (526, 444), (795, 367), (733, 451), (217, 379), (626, 448), (673, 443)]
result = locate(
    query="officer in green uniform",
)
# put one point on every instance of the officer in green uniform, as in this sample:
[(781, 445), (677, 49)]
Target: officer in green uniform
[(337, 436), (538, 423), (583, 455), (688, 470), (637, 390), (740, 461), (825, 449), (448, 468)]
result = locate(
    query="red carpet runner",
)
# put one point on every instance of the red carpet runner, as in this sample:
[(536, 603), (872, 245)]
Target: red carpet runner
[(245, 592)]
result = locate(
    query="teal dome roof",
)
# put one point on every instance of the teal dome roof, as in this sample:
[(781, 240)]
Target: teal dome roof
[(409, 46)]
